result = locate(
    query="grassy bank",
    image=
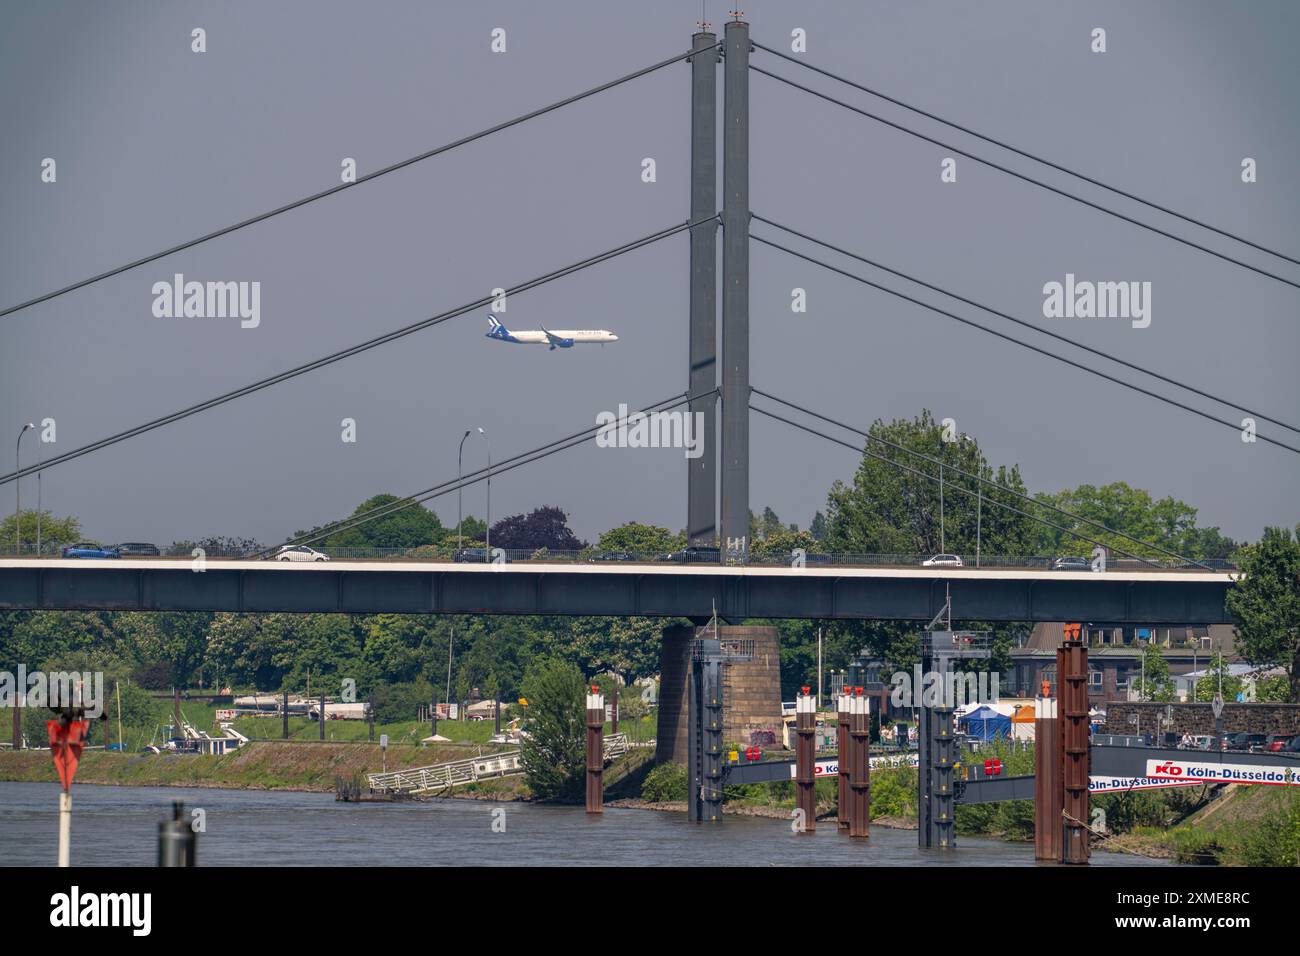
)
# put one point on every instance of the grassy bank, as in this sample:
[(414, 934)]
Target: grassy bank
[(260, 765)]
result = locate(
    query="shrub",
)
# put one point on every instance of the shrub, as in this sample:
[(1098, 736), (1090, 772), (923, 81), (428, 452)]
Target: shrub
[(665, 783)]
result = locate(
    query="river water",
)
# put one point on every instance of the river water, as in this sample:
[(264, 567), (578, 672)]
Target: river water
[(119, 826)]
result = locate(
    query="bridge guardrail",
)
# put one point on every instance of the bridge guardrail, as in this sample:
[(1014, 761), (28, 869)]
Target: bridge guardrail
[(812, 559)]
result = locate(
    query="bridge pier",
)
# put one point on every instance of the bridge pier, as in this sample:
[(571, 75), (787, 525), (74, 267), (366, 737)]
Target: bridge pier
[(859, 765), (1072, 691), (805, 777), (842, 705), (595, 751), (752, 688), (1047, 776), (735, 289), (702, 472)]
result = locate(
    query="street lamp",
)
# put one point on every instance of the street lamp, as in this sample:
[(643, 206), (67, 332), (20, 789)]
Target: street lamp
[(18, 501), (459, 496), (39, 462), (460, 491)]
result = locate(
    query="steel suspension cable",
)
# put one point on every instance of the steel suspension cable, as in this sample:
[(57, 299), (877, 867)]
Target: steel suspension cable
[(346, 353), (1026, 178), (401, 164), (1029, 325), (1033, 348), (1001, 144), (470, 478), (979, 478)]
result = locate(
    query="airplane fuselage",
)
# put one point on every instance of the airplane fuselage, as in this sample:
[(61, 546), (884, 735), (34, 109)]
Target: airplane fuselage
[(575, 336)]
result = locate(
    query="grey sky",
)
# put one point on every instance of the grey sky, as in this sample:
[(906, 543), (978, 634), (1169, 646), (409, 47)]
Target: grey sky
[(156, 144)]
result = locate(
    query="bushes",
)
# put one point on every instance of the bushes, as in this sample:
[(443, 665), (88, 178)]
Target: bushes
[(1193, 845), (893, 792), (666, 783), (1271, 840)]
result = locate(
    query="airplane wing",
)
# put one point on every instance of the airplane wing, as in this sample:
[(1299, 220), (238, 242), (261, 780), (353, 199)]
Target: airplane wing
[(555, 340)]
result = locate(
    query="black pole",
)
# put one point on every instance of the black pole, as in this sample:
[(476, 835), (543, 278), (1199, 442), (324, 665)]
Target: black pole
[(322, 716), (284, 712), (177, 841), (372, 718)]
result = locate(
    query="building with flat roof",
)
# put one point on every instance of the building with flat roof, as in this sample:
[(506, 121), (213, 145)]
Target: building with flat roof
[(1115, 656)]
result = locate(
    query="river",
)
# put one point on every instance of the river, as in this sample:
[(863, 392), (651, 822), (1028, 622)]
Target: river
[(119, 826)]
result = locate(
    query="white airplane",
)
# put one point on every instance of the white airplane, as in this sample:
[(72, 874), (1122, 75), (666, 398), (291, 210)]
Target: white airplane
[(559, 339)]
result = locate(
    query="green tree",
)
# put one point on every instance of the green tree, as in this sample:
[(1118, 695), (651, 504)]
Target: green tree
[(1165, 522), (554, 752), (783, 542), (55, 532), (888, 509), (1154, 681), (407, 527), (1265, 599), (1218, 680), (471, 529), (647, 539)]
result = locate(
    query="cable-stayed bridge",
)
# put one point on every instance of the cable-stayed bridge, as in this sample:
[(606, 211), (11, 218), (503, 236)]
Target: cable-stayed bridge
[(719, 389)]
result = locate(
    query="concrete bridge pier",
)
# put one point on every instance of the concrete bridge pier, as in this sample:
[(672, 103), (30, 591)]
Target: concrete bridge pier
[(751, 714)]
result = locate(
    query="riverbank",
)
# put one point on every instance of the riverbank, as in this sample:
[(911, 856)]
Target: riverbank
[(259, 765)]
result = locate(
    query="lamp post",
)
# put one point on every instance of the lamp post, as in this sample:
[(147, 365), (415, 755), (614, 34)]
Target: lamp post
[(39, 462), (460, 491), (487, 531), (18, 501)]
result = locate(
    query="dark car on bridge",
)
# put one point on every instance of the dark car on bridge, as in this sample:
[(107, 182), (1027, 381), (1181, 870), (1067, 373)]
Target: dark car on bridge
[(475, 555), (89, 549), (136, 549), (694, 553), (1244, 741), (613, 556)]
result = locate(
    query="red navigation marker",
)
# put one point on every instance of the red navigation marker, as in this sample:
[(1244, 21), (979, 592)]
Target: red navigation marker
[(66, 743)]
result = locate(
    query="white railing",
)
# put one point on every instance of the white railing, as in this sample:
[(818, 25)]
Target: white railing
[(443, 776)]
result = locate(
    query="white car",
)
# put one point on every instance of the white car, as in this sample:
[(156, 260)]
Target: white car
[(942, 561), (299, 552)]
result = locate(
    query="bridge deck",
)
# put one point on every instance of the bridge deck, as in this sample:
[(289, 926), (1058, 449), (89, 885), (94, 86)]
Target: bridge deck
[(609, 588)]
